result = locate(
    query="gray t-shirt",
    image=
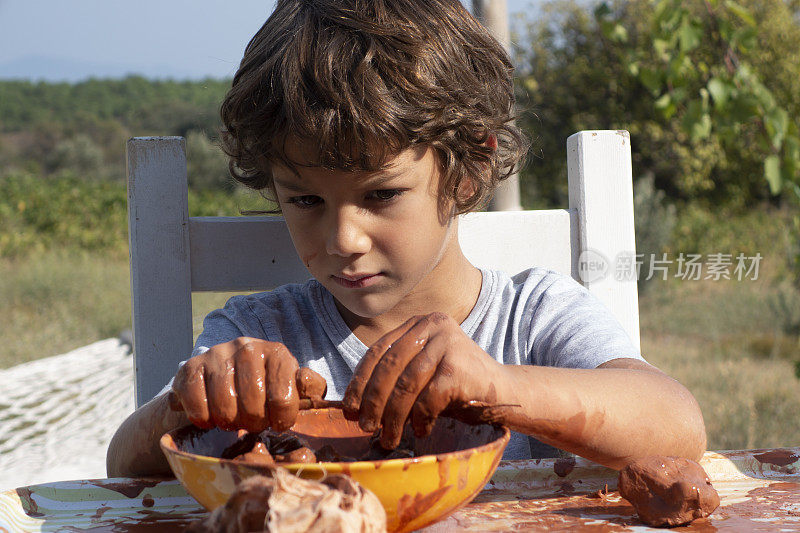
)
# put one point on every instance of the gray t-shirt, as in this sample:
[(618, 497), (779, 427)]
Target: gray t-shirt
[(538, 317)]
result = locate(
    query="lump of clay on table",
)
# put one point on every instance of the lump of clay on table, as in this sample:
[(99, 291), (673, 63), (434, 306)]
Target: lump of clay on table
[(668, 491)]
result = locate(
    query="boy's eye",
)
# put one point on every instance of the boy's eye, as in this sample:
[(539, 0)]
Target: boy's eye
[(384, 195), (304, 202), (308, 201)]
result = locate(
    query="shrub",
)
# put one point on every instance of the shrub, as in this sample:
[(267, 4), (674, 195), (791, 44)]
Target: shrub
[(654, 220)]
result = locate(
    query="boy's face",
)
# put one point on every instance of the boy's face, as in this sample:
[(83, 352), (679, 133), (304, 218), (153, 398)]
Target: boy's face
[(372, 239)]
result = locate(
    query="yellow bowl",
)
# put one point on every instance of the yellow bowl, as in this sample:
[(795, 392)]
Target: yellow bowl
[(453, 465)]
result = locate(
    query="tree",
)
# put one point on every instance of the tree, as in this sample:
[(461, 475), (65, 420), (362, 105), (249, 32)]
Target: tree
[(78, 154), (207, 165), (699, 62), (707, 90)]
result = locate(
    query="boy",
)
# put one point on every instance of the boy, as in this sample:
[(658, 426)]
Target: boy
[(373, 124)]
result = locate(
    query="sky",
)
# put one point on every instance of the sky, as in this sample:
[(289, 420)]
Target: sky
[(71, 40)]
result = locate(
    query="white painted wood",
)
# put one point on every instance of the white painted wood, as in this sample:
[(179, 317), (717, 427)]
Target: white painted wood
[(509, 241), (158, 214), (513, 241), (601, 193), (243, 254)]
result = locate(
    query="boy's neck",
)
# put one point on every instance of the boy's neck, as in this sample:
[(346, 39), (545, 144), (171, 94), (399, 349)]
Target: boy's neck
[(452, 287)]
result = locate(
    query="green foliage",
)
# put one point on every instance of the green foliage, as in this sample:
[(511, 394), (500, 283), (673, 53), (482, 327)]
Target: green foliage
[(78, 154), (207, 165), (695, 60), (654, 220), (39, 214), (145, 107), (760, 229), (785, 306), (52, 128), (707, 89)]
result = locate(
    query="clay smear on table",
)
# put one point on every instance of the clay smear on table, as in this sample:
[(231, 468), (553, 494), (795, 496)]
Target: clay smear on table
[(668, 491)]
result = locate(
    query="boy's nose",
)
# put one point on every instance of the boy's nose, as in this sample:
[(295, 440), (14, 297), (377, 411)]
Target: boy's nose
[(346, 234)]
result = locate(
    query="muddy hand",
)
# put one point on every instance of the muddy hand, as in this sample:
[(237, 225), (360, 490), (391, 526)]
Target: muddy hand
[(416, 371), (311, 388), (245, 383)]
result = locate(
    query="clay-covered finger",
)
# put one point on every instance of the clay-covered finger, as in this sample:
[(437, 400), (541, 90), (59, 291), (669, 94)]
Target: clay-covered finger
[(283, 403), (250, 379), (433, 399), (407, 389), (310, 384), (387, 371), (351, 402), (190, 387), (221, 390)]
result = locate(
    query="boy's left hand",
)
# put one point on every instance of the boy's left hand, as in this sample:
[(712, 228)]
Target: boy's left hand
[(420, 368)]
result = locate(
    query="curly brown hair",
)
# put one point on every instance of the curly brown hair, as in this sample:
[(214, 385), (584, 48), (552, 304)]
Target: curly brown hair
[(362, 80)]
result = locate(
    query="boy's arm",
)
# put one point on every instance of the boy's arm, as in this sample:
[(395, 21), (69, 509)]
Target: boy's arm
[(621, 411), (134, 449)]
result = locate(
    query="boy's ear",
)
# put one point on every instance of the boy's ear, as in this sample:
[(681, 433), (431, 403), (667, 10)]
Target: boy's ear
[(466, 189)]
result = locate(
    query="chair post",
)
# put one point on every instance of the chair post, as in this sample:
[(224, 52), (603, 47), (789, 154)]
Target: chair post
[(158, 230), (601, 195)]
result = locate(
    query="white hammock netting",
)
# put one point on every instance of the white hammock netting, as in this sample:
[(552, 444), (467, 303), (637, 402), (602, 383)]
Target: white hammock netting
[(58, 414)]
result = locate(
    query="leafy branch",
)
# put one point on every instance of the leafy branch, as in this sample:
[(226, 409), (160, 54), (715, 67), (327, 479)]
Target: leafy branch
[(694, 66)]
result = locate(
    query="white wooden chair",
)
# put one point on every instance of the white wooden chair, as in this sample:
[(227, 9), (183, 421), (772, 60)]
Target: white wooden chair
[(173, 254)]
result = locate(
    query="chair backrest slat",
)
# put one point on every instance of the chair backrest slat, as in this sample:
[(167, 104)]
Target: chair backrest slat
[(158, 213), (513, 241), (601, 193), (258, 246), (242, 254)]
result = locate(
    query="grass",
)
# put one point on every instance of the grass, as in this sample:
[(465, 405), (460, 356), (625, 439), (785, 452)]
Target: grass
[(720, 340), (58, 300), (733, 344)]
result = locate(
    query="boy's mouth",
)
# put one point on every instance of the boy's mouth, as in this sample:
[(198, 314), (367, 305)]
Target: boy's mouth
[(356, 281)]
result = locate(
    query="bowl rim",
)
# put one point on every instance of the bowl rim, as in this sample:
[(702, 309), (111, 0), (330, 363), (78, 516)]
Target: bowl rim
[(168, 445)]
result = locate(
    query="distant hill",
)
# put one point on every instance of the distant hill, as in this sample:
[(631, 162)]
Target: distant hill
[(54, 69), (50, 129)]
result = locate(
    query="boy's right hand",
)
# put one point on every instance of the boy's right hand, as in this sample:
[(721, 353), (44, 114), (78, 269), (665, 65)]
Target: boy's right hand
[(245, 383)]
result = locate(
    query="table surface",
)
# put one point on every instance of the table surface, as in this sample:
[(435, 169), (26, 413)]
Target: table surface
[(759, 491)]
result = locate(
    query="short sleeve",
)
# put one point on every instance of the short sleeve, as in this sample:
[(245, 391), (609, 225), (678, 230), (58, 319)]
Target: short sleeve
[(234, 320), (572, 328), (222, 325)]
